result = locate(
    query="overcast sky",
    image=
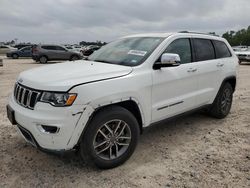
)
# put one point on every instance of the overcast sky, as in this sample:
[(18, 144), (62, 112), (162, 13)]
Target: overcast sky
[(71, 21)]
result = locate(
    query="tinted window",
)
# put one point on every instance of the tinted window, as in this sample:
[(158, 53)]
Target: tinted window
[(49, 47), (204, 49), (26, 48), (221, 49), (182, 48), (3, 47), (60, 48)]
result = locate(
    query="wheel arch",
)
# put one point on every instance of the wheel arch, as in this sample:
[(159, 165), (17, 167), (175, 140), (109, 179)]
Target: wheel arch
[(231, 80), (131, 105)]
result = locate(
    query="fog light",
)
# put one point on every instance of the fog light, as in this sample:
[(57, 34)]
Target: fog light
[(50, 129)]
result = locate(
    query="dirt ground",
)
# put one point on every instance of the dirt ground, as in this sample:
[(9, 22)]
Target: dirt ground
[(194, 151)]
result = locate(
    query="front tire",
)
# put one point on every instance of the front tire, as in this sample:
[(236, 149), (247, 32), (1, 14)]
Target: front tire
[(223, 102), (110, 138)]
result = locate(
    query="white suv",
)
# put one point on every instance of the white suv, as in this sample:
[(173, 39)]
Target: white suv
[(100, 105)]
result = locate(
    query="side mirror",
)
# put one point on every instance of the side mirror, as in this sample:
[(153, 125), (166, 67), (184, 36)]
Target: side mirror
[(168, 60)]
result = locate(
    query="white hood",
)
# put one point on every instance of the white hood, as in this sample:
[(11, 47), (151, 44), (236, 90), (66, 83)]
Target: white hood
[(62, 76)]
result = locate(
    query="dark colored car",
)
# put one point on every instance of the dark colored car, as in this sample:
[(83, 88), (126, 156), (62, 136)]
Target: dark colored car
[(90, 50), (23, 52), (44, 53)]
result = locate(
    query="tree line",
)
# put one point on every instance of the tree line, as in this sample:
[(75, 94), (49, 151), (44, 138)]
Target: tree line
[(236, 38)]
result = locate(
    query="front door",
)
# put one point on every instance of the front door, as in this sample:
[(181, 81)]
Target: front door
[(175, 88)]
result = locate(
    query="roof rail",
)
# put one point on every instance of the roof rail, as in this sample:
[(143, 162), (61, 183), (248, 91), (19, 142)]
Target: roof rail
[(213, 34)]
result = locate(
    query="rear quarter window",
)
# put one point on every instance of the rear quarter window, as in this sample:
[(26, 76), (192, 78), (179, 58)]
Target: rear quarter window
[(221, 49), (204, 49), (49, 47)]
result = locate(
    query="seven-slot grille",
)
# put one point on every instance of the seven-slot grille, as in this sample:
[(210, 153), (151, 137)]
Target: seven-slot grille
[(25, 96)]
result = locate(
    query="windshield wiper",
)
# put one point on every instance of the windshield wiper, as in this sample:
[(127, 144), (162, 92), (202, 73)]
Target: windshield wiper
[(103, 61)]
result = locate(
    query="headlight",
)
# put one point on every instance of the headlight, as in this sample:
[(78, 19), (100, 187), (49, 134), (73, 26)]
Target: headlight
[(58, 99)]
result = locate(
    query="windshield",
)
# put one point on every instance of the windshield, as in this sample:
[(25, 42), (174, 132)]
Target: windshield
[(127, 51)]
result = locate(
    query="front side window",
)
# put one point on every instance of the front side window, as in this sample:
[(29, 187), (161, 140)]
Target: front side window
[(127, 51), (182, 48), (221, 49), (204, 49)]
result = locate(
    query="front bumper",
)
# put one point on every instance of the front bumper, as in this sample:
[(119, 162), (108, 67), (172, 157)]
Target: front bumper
[(70, 121), (244, 57)]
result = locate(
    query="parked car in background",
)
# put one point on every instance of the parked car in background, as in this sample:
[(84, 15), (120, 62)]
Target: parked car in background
[(240, 48), (19, 46), (23, 52), (101, 106), (90, 49), (243, 56), (5, 49), (46, 52)]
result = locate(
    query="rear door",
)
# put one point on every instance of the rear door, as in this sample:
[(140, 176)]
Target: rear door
[(174, 88), (49, 51), (208, 70)]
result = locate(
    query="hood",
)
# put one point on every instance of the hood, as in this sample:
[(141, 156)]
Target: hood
[(62, 76)]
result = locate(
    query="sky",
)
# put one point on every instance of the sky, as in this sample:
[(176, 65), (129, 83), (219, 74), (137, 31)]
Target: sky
[(72, 21)]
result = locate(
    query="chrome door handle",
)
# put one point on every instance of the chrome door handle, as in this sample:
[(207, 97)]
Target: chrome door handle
[(192, 70), (220, 65)]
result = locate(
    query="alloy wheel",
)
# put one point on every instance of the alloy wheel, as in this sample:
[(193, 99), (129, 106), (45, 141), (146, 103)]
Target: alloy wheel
[(112, 139)]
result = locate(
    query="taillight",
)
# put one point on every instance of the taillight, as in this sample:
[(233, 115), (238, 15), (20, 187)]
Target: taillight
[(34, 49)]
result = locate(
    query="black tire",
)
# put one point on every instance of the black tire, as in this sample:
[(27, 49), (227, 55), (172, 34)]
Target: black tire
[(105, 116), (223, 102), (43, 59), (74, 58), (15, 56)]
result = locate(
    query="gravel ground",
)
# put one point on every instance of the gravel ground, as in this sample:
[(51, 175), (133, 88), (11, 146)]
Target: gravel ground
[(194, 151)]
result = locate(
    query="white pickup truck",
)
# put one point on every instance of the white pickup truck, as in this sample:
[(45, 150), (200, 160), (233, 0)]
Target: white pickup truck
[(101, 105)]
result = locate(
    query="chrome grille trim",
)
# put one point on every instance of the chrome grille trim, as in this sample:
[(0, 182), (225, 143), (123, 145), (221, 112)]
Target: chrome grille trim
[(25, 96)]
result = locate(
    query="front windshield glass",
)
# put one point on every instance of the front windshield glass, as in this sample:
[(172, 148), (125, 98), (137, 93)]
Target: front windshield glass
[(127, 51)]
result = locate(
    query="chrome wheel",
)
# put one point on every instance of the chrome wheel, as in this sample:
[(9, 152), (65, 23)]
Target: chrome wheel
[(226, 101), (112, 139)]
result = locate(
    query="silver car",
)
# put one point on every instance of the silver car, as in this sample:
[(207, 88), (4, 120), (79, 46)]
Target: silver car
[(45, 53)]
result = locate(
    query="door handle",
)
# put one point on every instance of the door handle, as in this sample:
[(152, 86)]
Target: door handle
[(192, 70), (220, 65)]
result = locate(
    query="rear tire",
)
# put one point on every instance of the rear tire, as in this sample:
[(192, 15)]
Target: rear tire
[(43, 59), (223, 102), (110, 138)]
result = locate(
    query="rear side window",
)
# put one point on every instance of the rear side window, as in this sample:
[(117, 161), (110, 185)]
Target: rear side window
[(60, 48), (182, 48), (204, 49), (49, 47), (221, 49)]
